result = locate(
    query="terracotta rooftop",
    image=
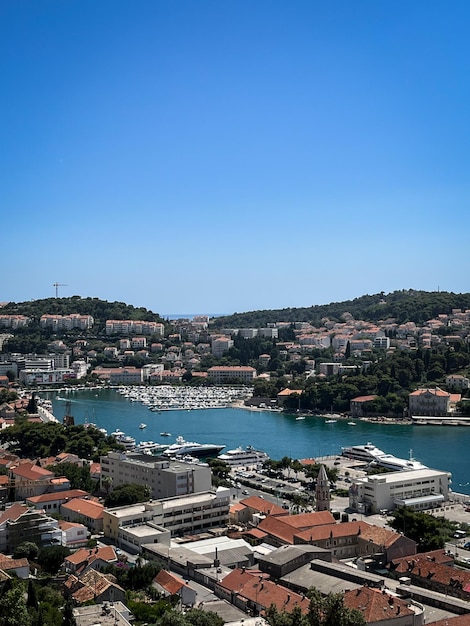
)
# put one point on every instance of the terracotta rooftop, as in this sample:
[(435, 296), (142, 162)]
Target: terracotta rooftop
[(263, 506), (171, 583), (263, 592), (375, 605), (88, 508)]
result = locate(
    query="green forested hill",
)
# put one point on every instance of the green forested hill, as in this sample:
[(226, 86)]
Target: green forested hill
[(403, 306), (101, 310)]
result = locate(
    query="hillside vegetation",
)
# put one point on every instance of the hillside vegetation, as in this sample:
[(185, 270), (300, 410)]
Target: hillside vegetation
[(101, 310), (403, 306)]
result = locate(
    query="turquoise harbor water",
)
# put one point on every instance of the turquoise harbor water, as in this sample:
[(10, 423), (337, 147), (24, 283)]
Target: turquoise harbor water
[(440, 447)]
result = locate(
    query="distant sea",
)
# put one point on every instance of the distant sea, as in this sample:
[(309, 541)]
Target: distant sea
[(279, 434), (177, 316)]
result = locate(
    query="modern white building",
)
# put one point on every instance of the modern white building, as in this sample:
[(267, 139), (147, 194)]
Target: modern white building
[(157, 521), (418, 489)]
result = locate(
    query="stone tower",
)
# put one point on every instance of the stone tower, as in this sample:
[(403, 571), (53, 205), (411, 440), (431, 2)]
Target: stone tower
[(322, 491)]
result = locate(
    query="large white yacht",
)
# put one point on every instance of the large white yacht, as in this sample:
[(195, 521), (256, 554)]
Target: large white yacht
[(191, 448), (374, 456), (367, 452), (243, 456)]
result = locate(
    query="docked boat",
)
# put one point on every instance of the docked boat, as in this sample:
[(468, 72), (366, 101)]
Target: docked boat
[(376, 457), (330, 421), (182, 448), (126, 441), (367, 452), (150, 447), (243, 456)]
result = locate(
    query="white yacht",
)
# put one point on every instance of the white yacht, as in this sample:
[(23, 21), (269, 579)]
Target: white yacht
[(191, 448), (367, 452), (243, 456)]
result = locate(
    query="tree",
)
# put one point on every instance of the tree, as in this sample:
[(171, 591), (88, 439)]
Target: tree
[(126, 494), (330, 611), (26, 550), (426, 530), (13, 610), (52, 557)]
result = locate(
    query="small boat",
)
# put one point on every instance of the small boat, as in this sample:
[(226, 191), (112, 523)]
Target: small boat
[(142, 425), (165, 434), (330, 421), (301, 417), (352, 423)]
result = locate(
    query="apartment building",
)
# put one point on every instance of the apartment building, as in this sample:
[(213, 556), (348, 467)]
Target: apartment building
[(225, 373), (165, 478), (141, 327), (14, 321), (67, 322)]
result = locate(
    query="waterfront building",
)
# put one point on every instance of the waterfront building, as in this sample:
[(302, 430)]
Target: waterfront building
[(165, 478), (419, 489), (357, 405), (429, 402), (226, 373)]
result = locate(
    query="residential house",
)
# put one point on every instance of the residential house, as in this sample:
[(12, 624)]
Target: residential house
[(19, 567), (171, 585), (93, 586), (84, 511), (30, 480), (85, 559), (73, 535), (51, 502)]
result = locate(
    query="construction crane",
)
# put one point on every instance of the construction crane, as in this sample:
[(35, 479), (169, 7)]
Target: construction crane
[(57, 285)]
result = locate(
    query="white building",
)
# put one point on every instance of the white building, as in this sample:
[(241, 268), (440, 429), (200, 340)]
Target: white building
[(221, 345), (418, 489), (66, 322)]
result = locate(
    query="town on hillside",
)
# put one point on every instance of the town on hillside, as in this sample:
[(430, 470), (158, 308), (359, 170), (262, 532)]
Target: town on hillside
[(95, 530)]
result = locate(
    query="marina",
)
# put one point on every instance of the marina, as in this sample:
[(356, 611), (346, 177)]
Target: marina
[(278, 434)]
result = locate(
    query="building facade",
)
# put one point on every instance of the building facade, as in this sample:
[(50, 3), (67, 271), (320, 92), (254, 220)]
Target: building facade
[(165, 478)]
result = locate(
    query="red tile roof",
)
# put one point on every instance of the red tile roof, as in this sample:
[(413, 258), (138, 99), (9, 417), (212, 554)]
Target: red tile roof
[(171, 583), (263, 592), (263, 506), (376, 606)]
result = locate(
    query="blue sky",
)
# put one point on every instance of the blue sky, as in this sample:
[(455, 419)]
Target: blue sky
[(220, 156)]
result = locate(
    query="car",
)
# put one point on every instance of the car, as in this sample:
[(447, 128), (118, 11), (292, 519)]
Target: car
[(467, 545), (245, 492)]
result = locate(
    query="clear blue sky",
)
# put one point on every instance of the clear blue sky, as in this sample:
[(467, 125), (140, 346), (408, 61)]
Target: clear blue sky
[(221, 156)]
